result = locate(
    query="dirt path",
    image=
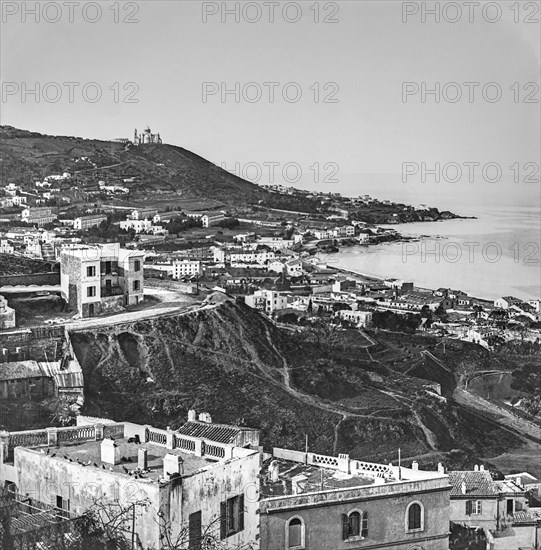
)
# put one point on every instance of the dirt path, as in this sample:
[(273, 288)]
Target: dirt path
[(503, 418)]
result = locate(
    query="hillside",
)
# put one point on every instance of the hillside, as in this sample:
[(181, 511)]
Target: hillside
[(156, 169), (234, 363)]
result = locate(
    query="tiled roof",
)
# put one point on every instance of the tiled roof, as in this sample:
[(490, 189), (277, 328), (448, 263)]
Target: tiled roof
[(220, 433), (478, 484), (20, 369)]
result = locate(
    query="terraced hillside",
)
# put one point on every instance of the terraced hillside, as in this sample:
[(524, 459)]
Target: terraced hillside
[(231, 361)]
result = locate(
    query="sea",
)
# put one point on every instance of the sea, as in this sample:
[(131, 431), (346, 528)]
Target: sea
[(496, 254)]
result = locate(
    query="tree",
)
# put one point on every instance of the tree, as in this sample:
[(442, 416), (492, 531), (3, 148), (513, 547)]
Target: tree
[(325, 336), (113, 522)]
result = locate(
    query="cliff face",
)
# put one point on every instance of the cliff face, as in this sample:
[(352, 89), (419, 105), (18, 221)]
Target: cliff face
[(228, 361), (231, 361)]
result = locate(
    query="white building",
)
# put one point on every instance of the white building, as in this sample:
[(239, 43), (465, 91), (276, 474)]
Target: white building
[(360, 318), (182, 268), (5, 247), (252, 257), (344, 231), (267, 300), (276, 243)]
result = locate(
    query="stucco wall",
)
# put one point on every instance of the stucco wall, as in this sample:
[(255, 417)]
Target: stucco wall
[(487, 519), (43, 477), (386, 523), (206, 490)]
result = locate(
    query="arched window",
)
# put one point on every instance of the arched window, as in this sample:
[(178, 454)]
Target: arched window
[(354, 524), (415, 517), (295, 534)]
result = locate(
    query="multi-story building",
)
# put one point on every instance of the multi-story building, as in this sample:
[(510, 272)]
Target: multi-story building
[(360, 318), (38, 216), (97, 279), (344, 231), (5, 247), (479, 501), (182, 268), (251, 257), (200, 478), (317, 502), (86, 222), (208, 219), (268, 301)]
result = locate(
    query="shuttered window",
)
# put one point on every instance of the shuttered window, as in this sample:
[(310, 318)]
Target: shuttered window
[(354, 525), (231, 516)]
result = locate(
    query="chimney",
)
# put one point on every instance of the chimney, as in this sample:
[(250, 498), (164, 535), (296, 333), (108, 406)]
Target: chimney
[(142, 459), (476, 468), (172, 464), (415, 465), (205, 417), (482, 468), (110, 452), (274, 471), (298, 483), (441, 469), (463, 487), (192, 415)]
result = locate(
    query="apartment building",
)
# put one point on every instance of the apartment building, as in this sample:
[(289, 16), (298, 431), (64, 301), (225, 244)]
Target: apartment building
[(318, 502), (98, 279), (183, 268), (268, 301)]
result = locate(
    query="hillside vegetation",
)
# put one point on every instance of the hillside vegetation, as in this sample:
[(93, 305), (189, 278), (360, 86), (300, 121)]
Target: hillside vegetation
[(28, 156), (231, 361)]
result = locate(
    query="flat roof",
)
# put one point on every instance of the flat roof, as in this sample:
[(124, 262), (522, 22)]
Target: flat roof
[(89, 454), (317, 478)]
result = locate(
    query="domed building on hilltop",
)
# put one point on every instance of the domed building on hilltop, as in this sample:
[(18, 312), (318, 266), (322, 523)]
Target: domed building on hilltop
[(146, 137)]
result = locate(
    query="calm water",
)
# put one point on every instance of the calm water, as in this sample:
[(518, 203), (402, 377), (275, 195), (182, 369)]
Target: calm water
[(495, 255)]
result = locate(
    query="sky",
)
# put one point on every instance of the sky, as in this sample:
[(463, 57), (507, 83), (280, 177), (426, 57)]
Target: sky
[(350, 68)]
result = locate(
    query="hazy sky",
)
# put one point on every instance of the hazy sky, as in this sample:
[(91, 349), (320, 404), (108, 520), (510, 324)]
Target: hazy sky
[(368, 53)]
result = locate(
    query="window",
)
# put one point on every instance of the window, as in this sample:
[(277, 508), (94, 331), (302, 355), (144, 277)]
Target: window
[(108, 268), (295, 534), (63, 504), (231, 516), (194, 532), (90, 291), (91, 271), (474, 507), (354, 525), (136, 285), (415, 517), (137, 265)]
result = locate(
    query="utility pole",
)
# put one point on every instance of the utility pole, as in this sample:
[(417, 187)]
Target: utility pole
[(133, 527)]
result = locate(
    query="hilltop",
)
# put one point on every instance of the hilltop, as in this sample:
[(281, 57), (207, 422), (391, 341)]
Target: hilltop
[(155, 169), (166, 175)]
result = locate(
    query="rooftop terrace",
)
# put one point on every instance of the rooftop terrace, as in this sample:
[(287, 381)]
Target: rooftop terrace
[(314, 478), (88, 455)]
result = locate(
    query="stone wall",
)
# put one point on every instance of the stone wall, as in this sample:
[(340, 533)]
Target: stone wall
[(51, 278)]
